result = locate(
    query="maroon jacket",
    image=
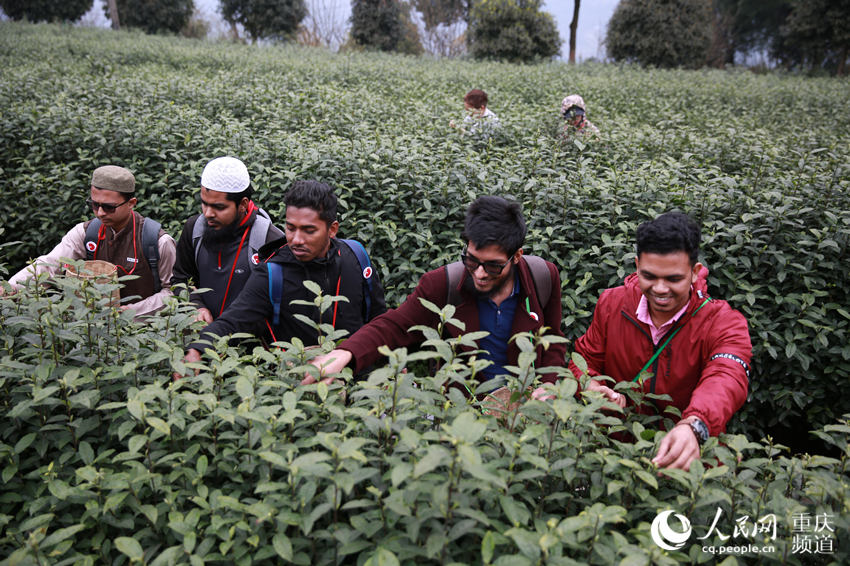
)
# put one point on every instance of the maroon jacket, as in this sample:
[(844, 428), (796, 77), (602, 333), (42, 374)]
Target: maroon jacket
[(391, 328), (705, 367)]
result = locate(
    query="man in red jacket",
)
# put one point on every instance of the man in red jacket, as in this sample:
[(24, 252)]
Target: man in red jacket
[(496, 290), (663, 329)]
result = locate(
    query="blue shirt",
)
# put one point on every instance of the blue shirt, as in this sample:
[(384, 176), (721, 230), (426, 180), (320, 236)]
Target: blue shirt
[(498, 320)]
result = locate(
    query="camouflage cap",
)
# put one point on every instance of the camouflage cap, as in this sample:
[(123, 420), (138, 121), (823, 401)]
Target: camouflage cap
[(570, 101), (113, 178)]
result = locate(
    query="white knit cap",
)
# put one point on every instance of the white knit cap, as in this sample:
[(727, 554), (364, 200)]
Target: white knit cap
[(225, 175)]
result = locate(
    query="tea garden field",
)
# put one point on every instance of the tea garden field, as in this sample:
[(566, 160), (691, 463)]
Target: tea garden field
[(106, 460)]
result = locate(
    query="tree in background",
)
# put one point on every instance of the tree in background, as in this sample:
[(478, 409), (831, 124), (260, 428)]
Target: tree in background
[(820, 30), (46, 10), (265, 19), (663, 33), (324, 24), (444, 26), (154, 16), (384, 25), (573, 29), (744, 27), (512, 30)]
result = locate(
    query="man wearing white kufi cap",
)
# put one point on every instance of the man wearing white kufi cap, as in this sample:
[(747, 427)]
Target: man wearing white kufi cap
[(218, 247)]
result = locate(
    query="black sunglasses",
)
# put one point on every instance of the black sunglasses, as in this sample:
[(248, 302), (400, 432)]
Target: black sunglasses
[(491, 267), (107, 208)]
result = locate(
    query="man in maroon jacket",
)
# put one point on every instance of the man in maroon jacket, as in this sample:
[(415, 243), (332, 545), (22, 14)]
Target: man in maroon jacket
[(497, 290), (663, 329)]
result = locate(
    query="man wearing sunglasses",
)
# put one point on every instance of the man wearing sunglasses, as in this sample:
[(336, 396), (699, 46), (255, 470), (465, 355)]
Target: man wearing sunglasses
[(219, 247), (118, 240), (496, 291)]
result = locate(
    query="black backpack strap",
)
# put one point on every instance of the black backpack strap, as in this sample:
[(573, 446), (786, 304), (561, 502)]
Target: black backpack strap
[(454, 272), (541, 277), (90, 241), (150, 247)]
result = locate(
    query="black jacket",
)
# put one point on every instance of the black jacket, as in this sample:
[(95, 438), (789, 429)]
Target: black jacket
[(253, 306), (209, 271)]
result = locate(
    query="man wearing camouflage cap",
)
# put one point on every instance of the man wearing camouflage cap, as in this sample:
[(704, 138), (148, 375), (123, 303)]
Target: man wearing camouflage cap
[(573, 112), (218, 247), (116, 235)]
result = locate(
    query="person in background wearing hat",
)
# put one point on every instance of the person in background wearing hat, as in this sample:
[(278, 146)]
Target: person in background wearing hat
[(118, 241), (219, 247), (573, 112), (309, 252)]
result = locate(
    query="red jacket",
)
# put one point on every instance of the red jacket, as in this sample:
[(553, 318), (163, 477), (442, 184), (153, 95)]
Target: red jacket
[(391, 328), (705, 367)]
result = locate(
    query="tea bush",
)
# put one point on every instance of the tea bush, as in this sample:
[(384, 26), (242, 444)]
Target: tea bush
[(760, 160), (106, 460)]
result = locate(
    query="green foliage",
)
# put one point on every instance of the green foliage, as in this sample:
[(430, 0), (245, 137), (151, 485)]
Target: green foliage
[(512, 30), (106, 459), (46, 10), (820, 30), (154, 16), (384, 25), (772, 192), (264, 19), (661, 33)]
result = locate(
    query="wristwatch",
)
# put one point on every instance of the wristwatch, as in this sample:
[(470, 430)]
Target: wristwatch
[(700, 430)]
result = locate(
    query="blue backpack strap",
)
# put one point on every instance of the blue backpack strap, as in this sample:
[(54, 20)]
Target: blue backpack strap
[(90, 242), (150, 247), (365, 270), (275, 289)]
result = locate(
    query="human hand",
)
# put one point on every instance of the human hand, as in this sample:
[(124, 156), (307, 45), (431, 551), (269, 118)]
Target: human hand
[(540, 394), (678, 448), (204, 315), (617, 398), (328, 364), (191, 356)]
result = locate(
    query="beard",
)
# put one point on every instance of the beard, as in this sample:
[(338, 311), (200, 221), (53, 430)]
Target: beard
[(217, 240), (507, 280)]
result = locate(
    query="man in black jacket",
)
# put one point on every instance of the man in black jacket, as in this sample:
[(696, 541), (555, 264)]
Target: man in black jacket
[(310, 252), (218, 248)]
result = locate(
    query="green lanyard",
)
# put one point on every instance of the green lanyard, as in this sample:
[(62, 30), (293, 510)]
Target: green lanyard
[(659, 350)]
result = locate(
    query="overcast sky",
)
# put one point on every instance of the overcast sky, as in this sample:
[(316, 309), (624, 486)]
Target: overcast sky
[(592, 21)]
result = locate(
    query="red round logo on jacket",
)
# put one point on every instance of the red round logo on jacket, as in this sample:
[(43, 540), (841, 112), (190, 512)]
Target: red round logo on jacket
[(91, 246), (367, 273), (255, 259), (534, 316)]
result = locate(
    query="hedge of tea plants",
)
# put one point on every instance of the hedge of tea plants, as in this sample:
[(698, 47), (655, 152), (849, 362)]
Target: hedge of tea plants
[(107, 460), (760, 160)]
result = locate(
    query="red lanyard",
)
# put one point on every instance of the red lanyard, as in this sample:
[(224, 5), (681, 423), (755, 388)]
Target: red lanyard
[(101, 235), (232, 268)]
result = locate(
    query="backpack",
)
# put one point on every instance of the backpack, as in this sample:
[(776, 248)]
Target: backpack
[(256, 239), (275, 271), (150, 245), (539, 274)]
